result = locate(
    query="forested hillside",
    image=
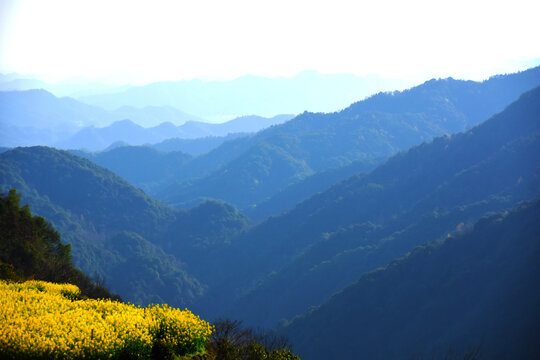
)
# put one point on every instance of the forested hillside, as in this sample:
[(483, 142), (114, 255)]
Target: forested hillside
[(115, 229), (375, 128), (31, 249), (130, 161), (366, 221), (476, 290)]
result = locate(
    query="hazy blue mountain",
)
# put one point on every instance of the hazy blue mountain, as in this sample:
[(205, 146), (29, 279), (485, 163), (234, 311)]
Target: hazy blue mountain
[(98, 138), (151, 116), (175, 170), (375, 128), (114, 228), (129, 161), (36, 116), (248, 179), (124, 131), (251, 94), (242, 124), (73, 87), (474, 290), (10, 76), (245, 124), (113, 146), (364, 222), (93, 138), (293, 194), (41, 109), (195, 147), (21, 84)]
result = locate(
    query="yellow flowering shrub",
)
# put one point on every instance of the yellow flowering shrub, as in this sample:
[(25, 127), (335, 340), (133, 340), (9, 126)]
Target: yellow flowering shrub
[(41, 320)]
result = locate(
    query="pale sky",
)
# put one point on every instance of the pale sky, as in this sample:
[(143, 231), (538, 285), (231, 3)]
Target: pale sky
[(141, 41)]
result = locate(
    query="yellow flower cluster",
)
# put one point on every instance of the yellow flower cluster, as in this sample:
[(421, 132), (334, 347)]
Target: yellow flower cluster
[(38, 320)]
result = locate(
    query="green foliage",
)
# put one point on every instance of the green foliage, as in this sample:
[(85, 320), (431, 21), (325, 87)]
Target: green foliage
[(118, 233), (7, 272), (231, 341), (29, 243), (31, 249)]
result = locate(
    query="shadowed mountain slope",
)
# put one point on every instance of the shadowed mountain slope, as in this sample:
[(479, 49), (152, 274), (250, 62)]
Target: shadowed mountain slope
[(366, 221), (478, 289), (115, 229)]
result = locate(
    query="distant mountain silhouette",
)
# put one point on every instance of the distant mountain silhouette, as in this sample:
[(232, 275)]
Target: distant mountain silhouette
[(151, 116), (36, 117), (71, 88), (95, 139), (249, 94), (197, 146), (242, 124), (129, 160), (254, 169), (92, 138)]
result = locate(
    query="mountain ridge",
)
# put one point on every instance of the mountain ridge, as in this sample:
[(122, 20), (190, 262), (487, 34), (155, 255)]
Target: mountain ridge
[(393, 203), (97, 211), (265, 96), (477, 289), (375, 128)]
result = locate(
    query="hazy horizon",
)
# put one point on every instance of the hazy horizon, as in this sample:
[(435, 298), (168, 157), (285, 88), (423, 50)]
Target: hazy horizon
[(137, 43), (112, 81)]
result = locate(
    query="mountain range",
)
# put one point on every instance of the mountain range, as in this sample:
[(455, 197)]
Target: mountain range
[(250, 94), (290, 263), (403, 226), (36, 117), (71, 88), (114, 228), (364, 222), (128, 132), (251, 170)]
